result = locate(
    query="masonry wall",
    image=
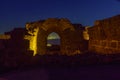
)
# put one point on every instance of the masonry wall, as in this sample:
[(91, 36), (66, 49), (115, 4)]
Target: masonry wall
[(71, 36), (3, 40), (14, 42), (104, 36), (14, 49), (3, 36)]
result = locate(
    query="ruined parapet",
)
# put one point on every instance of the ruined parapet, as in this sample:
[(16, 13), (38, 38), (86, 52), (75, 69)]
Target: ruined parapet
[(72, 41), (14, 41), (14, 49), (104, 36)]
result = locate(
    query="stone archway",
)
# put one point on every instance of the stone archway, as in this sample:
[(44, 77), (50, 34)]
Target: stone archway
[(71, 38), (53, 43)]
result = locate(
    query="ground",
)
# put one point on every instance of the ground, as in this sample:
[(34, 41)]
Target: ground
[(91, 72)]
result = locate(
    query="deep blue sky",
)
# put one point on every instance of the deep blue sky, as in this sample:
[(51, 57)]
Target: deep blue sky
[(15, 13)]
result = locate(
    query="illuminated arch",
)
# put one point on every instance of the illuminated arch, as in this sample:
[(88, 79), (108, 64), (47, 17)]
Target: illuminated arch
[(52, 25), (71, 40)]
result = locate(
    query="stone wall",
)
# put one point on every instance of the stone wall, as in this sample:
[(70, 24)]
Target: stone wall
[(104, 36), (34, 37), (85, 33), (3, 40), (14, 49), (71, 36), (3, 36), (14, 41)]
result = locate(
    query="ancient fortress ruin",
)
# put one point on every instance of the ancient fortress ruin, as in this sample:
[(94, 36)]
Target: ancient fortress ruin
[(102, 38)]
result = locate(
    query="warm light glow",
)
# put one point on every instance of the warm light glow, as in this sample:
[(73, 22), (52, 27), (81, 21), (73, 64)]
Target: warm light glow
[(35, 42), (34, 45), (85, 33)]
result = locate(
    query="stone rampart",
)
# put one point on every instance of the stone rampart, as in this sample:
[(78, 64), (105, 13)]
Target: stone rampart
[(104, 36)]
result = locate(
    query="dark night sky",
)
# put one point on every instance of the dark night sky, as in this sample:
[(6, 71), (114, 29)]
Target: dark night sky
[(15, 13)]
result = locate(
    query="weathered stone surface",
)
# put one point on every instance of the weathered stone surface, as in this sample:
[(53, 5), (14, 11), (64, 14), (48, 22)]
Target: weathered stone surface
[(14, 51), (103, 37), (17, 46), (71, 35), (107, 33), (34, 37), (85, 33)]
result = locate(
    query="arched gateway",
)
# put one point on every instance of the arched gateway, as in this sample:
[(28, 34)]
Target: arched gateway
[(72, 41)]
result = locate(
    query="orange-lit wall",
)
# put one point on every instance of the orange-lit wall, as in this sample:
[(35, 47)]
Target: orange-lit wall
[(105, 36)]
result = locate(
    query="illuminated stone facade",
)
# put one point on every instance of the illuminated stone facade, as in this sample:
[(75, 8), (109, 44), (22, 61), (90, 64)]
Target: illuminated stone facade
[(34, 37), (71, 36), (105, 36), (18, 46)]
